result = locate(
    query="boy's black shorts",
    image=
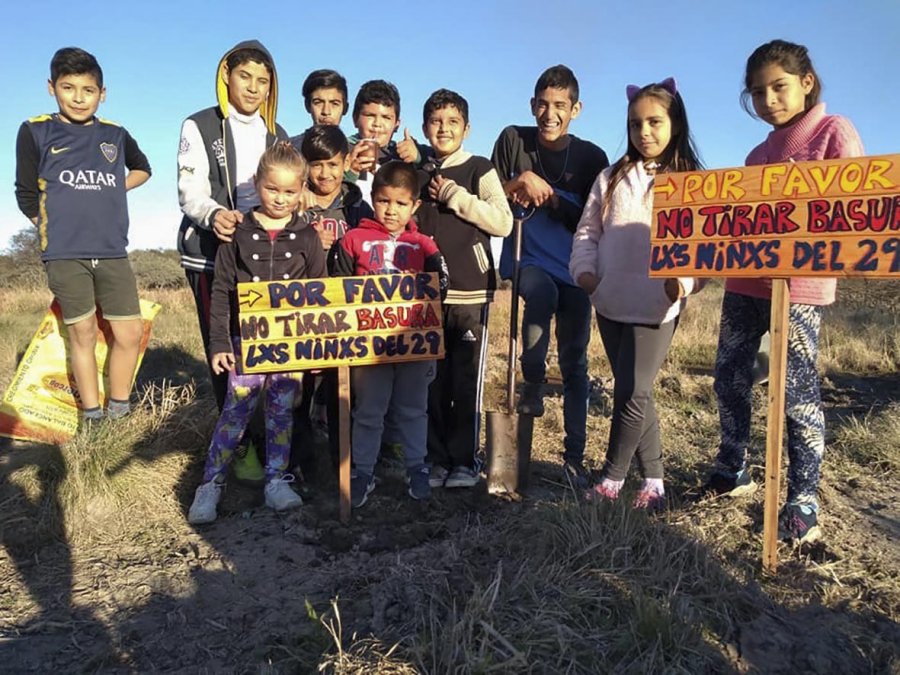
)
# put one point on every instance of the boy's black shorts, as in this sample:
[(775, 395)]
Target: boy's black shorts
[(82, 285)]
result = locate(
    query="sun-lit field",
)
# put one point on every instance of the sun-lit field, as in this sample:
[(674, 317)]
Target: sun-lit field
[(100, 571)]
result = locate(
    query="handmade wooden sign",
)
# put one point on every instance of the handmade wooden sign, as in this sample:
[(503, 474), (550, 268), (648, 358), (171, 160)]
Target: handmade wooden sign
[(321, 323), (831, 218)]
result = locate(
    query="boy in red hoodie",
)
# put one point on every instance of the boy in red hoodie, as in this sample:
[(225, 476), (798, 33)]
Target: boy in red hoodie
[(391, 243)]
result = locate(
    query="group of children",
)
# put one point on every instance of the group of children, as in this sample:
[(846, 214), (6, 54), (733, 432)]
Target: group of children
[(260, 206)]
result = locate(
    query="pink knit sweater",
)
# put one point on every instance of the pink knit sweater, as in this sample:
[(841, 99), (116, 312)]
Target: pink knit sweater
[(814, 136)]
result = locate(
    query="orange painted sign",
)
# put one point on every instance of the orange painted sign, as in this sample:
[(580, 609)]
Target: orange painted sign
[(306, 324), (831, 218)]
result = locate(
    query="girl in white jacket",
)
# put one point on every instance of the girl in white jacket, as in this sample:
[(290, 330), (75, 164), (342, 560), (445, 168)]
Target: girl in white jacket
[(636, 315)]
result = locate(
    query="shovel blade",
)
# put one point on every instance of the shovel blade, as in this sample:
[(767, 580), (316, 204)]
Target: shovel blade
[(508, 438)]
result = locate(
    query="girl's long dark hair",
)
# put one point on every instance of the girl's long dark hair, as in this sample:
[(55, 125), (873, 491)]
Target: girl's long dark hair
[(681, 153)]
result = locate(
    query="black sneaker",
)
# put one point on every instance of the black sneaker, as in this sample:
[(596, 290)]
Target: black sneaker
[(578, 477), (361, 486), (798, 524), (531, 402), (722, 484)]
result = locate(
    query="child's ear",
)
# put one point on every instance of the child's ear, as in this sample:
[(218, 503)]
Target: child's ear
[(415, 207), (50, 88), (467, 130), (576, 109), (807, 82), (102, 94)]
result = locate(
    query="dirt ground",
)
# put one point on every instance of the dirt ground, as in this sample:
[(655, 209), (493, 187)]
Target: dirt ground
[(238, 596)]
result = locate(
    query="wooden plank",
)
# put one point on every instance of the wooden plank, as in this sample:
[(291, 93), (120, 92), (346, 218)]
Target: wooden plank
[(344, 437), (778, 331)]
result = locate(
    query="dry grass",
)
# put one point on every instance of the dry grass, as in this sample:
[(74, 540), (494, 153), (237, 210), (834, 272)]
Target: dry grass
[(546, 585)]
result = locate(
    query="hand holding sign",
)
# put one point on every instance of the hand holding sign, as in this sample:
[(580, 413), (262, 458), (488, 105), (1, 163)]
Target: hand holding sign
[(406, 149), (222, 362)]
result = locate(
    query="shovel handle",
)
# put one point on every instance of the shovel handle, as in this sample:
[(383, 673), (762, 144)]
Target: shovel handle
[(514, 315)]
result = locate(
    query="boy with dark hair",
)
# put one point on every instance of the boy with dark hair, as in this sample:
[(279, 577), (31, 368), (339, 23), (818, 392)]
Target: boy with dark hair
[(376, 115), (218, 153), (464, 206), (72, 172), (325, 96), (336, 207), (337, 204), (547, 169), (389, 244)]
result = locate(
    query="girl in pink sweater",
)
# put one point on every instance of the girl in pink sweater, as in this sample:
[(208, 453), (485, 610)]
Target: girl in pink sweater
[(637, 315), (783, 88)]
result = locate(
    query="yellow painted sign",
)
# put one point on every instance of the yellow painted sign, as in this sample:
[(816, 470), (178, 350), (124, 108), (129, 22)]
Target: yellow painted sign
[(831, 218), (41, 403), (306, 324)]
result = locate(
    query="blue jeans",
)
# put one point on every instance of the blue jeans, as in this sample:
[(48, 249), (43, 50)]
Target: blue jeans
[(546, 297)]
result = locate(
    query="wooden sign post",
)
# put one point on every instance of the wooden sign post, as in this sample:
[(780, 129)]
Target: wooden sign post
[(835, 218), (310, 324)]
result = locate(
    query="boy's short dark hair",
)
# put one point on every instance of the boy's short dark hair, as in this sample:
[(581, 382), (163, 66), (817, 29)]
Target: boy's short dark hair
[(377, 91), (324, 79), (323, 141), (74, 61), (241, 56), (397, 174), (444, 98), (558, 77)]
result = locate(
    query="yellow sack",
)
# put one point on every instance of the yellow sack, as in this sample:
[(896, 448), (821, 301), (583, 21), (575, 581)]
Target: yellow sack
[(41, 403)]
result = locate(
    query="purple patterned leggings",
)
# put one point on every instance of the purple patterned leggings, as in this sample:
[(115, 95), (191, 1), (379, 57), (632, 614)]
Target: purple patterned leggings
[(240, 403)]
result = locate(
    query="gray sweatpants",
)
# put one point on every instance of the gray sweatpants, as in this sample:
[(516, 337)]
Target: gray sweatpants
[(400, 390)]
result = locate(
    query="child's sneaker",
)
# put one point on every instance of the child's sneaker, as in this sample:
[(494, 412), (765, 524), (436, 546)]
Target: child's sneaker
[(798, 524), (462, 476), (419, 482), (361, 486), (725, 484), (246, 466), (606, 489), (207, 496), (280, 496), (438, 476)]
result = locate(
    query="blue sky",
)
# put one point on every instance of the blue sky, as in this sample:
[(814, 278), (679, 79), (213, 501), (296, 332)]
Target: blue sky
[(159, 62)]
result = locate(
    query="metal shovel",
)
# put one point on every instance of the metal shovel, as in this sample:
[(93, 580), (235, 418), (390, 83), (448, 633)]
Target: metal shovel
[(509, 435)]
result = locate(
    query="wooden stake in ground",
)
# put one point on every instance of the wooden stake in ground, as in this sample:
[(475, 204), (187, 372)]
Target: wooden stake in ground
[(778, 332), (344, 436)]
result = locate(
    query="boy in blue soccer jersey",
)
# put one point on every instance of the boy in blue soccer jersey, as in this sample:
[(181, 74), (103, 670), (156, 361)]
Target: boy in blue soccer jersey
[(72, 172)]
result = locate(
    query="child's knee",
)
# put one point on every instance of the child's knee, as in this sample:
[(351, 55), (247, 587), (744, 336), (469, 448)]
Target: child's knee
[(83, 333), (128, 333)]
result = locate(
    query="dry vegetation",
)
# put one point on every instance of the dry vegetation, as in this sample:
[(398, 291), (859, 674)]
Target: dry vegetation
[(100, 572)]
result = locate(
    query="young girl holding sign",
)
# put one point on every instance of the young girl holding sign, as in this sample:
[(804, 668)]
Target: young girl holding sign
[(271, 243), (637, 315), (783, 88)]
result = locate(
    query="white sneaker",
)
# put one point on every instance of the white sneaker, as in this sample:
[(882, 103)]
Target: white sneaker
[(280, 496), (203, 510)]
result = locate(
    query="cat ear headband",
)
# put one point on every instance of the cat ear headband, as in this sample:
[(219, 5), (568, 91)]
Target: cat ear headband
[(668, 84)]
